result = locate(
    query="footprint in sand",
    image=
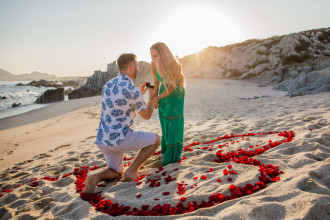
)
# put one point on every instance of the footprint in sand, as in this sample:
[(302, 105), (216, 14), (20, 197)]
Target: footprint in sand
[(41, 156), (62, 197), (55, 170), (72, 152), (73, 210), (85, 154), (62, 146), (71, 159), (306, 184), (99, 156), (10, 152), (44, 204), (26, 194), (22, 174), (18, 203), (64, 182), (9, 198), (309, 119), (266, 211), (5, 214)]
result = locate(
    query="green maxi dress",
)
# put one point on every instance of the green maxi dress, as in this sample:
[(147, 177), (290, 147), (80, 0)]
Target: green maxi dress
[(171, 122)]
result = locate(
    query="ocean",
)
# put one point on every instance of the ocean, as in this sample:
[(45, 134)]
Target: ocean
[(26, 95)]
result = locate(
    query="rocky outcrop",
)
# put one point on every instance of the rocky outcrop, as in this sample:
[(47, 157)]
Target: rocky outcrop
[(270, 60), (56, 84), (40, 83), (95, 83), (307, 83), (144, 75), (51, 95)]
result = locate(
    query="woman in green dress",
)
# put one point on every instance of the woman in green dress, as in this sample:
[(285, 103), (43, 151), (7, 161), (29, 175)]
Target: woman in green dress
[(169, 80)]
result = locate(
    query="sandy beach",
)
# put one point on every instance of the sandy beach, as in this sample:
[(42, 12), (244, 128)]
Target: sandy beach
[(53, 141)]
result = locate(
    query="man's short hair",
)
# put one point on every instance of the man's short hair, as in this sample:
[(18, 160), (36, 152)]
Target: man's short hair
[(125, 60)]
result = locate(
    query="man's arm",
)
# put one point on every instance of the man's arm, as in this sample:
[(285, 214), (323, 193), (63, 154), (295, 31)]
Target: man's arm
[(146, 113)]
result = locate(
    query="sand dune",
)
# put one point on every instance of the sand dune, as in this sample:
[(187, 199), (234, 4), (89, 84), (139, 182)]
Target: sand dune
[(213, 108)]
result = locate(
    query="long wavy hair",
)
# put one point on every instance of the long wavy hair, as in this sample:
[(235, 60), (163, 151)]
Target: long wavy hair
[(168, 66)]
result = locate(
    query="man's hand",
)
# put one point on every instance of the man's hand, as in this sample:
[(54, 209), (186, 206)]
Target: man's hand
[(143, 87), (152, 94)]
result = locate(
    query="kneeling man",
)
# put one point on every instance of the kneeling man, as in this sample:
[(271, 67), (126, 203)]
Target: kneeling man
[(120, 102)]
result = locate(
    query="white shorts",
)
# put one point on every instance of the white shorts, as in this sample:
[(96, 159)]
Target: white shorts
[(136, 141)]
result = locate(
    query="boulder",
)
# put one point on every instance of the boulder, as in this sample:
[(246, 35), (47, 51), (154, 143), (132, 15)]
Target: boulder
[(307, 69), (293, 74), (307, 83), (84, 92), (16, 104), (51, 95)]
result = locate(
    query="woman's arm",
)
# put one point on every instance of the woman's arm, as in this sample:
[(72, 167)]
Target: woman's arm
[(168, 91), (165, 93), (156, 82)]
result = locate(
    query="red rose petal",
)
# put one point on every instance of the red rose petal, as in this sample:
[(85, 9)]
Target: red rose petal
[(210, 170), (203, 177), (232, 188), (166, 193), (182, 199), (276, 179)]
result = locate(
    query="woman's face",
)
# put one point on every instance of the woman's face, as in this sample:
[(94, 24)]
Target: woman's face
[(154, 55)]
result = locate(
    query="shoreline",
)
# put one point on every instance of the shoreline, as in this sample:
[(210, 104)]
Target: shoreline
[(49, 111)]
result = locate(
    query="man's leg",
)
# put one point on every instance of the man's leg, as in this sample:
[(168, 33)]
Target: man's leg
[(141, 157), (94, 179), (114, 160)]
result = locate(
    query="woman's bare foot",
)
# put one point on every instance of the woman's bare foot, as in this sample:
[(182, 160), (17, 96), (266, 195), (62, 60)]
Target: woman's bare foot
[(132, 175), (91, 183)]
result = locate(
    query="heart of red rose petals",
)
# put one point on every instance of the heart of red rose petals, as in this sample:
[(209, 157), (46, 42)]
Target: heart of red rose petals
[(269, 173)]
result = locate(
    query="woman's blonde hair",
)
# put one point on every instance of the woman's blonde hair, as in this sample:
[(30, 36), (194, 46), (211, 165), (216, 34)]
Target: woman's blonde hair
[(168, 66)]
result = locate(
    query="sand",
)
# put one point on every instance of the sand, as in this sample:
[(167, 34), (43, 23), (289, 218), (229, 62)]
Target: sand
[(54, 140)]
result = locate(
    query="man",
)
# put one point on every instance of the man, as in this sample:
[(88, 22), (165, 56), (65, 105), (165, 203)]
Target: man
[(120, 102)]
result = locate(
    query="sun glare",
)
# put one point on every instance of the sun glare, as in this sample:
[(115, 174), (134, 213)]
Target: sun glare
[(193, 28)]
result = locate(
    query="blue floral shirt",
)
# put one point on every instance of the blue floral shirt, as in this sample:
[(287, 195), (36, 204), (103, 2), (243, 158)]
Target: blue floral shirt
[(120, 102)]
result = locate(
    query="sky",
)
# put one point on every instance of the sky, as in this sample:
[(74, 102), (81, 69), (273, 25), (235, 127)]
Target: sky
[(77, 37)]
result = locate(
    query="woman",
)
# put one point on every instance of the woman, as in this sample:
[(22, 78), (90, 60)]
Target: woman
[(167, 72)]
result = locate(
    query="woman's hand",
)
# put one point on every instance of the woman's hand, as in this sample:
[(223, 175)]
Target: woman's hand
[(153, 94), (156, 104)]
